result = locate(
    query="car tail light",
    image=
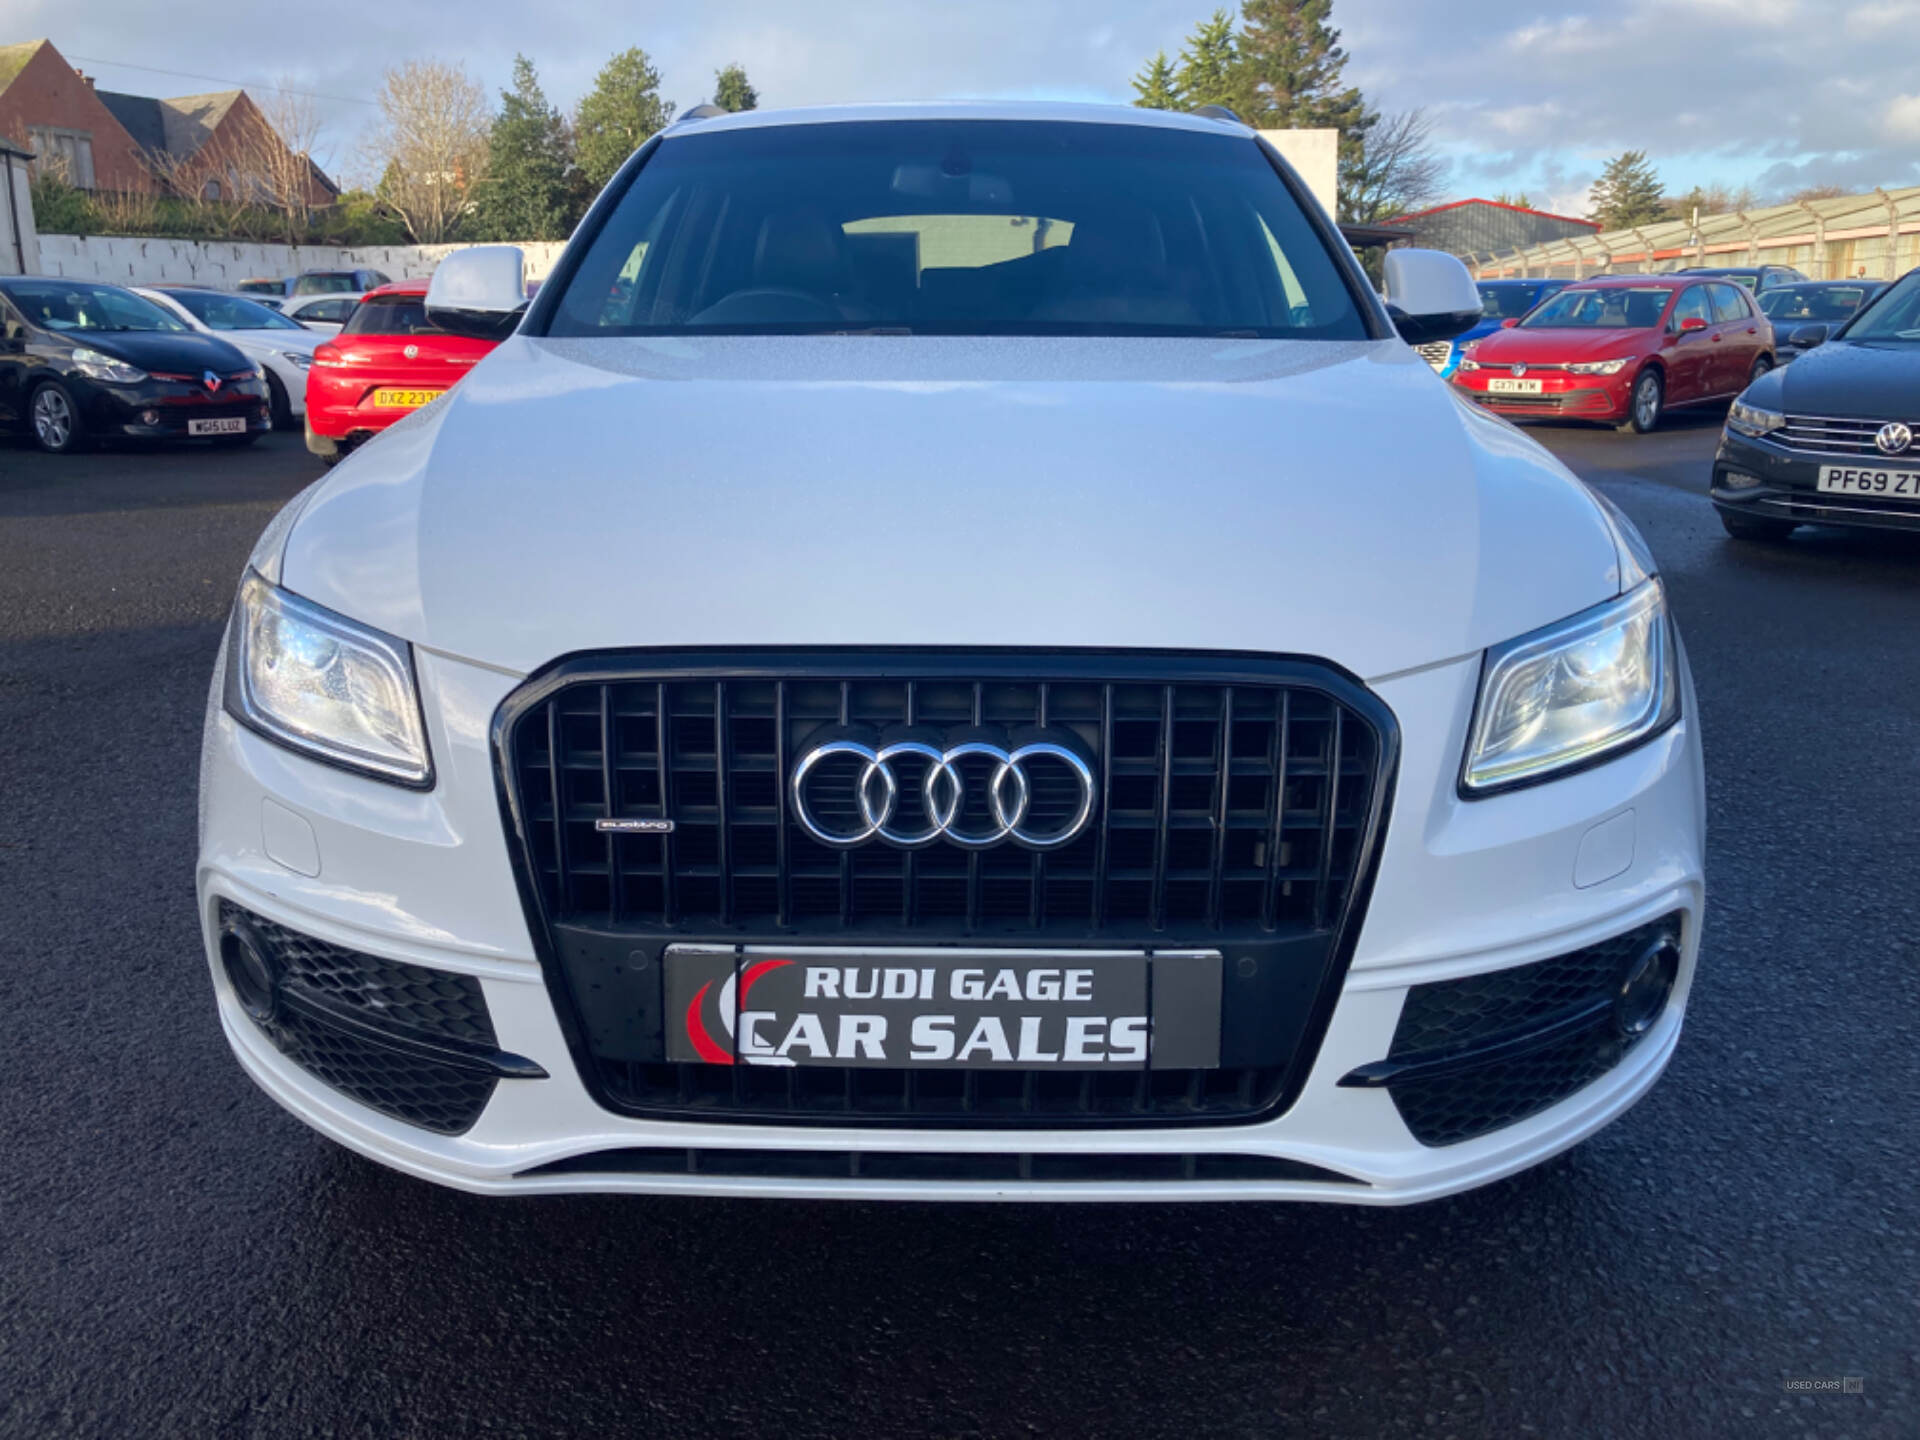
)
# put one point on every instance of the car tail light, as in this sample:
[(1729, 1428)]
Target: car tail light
[(327, 355)]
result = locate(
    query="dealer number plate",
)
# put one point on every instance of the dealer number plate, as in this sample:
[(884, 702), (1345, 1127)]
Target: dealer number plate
[(944, 1009), (236, 426), (405, 399), (1859, 480), (1501, 386)]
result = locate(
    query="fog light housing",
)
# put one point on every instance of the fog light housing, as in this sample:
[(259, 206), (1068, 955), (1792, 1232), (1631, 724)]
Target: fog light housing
[(249, 971), (1646, 984), (149, 417), (1738, 480)]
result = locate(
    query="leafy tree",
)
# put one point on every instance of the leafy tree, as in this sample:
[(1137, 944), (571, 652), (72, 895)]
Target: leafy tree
[(1627, 193), (732, 91), (1516, 197), (617, 115), (1154, 87), (527, 194), (1714, 199)]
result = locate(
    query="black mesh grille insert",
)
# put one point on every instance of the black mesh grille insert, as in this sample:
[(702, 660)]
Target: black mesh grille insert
[(1049, 1166), (409, 1041), (1236, 804), (1542, 1031)]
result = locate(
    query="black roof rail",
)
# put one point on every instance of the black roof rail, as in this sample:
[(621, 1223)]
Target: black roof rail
[(1217, 112)]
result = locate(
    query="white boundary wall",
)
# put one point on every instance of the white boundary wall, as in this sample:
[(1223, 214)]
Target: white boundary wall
[(131, 260)]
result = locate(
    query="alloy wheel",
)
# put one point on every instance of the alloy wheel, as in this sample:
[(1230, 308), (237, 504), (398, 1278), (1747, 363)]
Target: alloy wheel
[(52, 419), (1646, 402)]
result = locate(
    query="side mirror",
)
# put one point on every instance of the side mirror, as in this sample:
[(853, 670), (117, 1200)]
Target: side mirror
[(12, 345), (480, 291), (1805, 337), (1510, 322), (1691, 324), (1430, 295)]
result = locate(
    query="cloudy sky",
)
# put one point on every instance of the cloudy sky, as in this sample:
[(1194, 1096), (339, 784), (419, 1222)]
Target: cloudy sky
[(1528, 95)]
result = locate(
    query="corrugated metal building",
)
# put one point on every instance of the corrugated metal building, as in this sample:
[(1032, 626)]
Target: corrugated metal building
[(1487, 227)]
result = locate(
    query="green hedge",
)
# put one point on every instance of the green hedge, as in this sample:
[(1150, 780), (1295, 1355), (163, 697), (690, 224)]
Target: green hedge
[(60, 209)]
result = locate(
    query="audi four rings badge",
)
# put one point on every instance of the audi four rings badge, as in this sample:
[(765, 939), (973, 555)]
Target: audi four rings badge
[(910, 816)]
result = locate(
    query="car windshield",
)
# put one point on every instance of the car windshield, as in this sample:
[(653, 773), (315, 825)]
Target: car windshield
[(1812, 302), (228, 312), (67, 305), (1506, 302), (1894, 315), (1613, 308), (390, 315), (344, 282), (958, 227)]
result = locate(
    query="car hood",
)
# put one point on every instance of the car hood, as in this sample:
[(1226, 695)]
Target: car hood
[(1843, 379), (1331, 499), (1557, 347), (187, 353)]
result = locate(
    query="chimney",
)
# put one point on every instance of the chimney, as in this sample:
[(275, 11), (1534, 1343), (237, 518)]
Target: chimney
[(85, 78)]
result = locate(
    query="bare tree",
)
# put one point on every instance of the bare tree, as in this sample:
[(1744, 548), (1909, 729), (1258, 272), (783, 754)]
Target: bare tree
[(275, 161), (1393, 169), (430, 144)]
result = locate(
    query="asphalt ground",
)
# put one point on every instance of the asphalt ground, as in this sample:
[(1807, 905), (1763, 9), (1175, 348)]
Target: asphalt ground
[(179, 1257)]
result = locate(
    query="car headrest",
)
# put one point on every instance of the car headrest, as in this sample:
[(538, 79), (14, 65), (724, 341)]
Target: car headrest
[(798, 249), (1120, 245)]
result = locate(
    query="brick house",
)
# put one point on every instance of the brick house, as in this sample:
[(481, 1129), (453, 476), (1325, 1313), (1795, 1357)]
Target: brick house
[(217, 146)]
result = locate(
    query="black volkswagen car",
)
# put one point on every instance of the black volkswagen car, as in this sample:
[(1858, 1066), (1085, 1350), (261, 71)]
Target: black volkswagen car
[(81, 361), (1834, 438)]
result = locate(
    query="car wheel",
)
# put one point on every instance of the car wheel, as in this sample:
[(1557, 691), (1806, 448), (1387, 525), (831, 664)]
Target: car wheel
[(55, 420), (1760, 367), (278, 404), (1647, 403), (1756, 527)]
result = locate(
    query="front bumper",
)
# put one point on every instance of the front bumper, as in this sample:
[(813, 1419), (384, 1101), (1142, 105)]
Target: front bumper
[(1562, 397), (1463, 888), (158, 409), (1788, 488)]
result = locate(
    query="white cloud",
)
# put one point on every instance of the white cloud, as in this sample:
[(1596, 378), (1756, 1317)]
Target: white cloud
[(1901, 119)]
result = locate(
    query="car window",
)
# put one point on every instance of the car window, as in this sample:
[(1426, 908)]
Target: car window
[(1614, 307), (12, 327), (391, 315), (1893, 316), (70, 305), (229, 312), (1728, 303), (336, 283), (1694, 304), (961, 227), (1505, 302)]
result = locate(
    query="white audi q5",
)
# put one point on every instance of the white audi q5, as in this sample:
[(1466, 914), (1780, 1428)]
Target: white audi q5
[(953, 652)]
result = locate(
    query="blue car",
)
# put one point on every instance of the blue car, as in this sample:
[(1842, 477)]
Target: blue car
[(1500, 300)]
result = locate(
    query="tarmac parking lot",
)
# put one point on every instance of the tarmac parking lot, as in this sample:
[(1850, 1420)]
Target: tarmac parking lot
[(179, 1256)]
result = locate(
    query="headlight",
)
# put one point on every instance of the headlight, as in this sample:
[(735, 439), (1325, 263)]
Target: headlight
[(299, 359), (321, 684), (1570, 694), (95, 366), (1469, 364), (1744, 419), (1598, 367)]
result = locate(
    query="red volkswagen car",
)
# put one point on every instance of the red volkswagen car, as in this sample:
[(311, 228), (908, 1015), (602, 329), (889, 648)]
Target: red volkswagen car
[(1623, 349), (386, 362)]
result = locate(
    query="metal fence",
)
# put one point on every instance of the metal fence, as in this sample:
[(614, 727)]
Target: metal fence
[(1876, 235)]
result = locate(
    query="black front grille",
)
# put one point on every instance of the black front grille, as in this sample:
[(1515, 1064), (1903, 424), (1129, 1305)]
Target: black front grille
[(1238, 804), (1050, 1167), (1470, 1056), (409, 1041)]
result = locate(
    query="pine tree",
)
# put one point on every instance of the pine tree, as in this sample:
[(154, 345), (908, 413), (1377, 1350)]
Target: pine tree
[(731, 90), (617, 116), (527, 193), (1209, 72), (1627, 193), (1292, 64), (1154, 87)]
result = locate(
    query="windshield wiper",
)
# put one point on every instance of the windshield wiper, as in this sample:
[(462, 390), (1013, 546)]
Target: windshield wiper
[(874, 330)]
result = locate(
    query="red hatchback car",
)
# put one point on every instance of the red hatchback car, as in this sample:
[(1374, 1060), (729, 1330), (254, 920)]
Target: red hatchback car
[(386, 362), (1623, 349)]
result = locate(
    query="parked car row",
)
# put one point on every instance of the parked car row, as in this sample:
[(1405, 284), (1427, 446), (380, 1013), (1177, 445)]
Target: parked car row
[(314, 282)]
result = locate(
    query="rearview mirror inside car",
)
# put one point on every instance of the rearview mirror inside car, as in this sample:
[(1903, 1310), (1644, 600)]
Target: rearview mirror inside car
[(1430, 295), (480, 291)]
